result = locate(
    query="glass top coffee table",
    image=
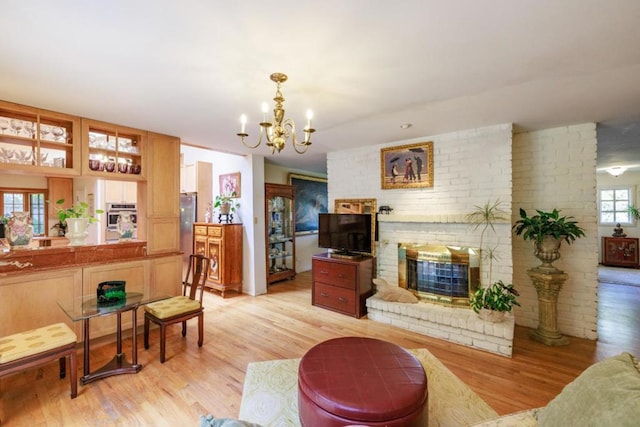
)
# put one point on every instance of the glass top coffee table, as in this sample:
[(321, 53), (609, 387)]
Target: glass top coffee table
[(85, 309)]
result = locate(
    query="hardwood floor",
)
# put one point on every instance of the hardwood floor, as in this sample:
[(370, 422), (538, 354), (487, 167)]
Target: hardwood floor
[(283, 324)]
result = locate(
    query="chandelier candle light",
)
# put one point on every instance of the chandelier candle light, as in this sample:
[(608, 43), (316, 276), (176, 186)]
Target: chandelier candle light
[(278, 132)]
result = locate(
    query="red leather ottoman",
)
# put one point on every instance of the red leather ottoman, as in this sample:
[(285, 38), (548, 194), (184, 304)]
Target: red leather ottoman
[(362, 381)]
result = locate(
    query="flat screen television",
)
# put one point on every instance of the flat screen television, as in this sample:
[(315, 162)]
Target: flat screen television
[(345, 233)]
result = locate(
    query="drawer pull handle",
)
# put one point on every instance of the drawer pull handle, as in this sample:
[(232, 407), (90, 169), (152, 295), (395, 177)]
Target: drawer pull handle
[(323, 294), (342, 276), (341, 299), (324, 272)]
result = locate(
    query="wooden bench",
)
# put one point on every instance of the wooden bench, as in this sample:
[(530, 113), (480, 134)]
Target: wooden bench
[(39, 346)]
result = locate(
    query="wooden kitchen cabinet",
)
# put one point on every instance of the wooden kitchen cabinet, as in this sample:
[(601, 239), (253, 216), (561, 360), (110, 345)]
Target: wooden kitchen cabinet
[(620, 252), (37, 141), (342, 285), (112, 151), (222, 244)]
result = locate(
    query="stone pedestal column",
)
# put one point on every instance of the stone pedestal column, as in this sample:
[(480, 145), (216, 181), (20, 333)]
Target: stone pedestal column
[(548, 284)]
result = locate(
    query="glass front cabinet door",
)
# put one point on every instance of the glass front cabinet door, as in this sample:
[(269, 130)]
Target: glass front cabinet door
[(280, 229)]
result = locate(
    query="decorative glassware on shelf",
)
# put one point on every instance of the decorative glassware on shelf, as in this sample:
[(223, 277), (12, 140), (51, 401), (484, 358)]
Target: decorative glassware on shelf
[(16, 126), (4, 125), (58, 133)]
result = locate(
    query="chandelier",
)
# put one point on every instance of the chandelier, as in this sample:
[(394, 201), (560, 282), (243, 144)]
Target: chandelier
[(280, 129)]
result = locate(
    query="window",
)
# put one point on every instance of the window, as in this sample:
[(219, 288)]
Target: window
[(32, 201), (614, 206)]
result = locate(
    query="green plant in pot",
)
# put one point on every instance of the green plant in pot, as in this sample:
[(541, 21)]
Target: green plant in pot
[(226, 203), (493, 302), (76, 219), (547, 230)]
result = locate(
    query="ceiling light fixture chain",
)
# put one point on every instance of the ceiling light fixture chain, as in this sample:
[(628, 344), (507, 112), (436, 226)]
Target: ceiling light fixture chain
[(281, 129)]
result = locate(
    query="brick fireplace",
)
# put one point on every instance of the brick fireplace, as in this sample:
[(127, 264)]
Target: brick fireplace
[(442, 277), (440, 274)]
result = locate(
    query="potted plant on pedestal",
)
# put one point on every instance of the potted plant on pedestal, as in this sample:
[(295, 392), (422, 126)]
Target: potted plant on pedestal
[(547, 230), (77, 218), (226, 204)]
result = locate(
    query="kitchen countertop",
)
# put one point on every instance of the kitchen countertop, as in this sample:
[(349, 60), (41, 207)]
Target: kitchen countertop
[(37, 258)]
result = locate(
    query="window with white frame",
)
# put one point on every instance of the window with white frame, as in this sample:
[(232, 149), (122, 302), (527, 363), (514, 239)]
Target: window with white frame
[(614, 206)]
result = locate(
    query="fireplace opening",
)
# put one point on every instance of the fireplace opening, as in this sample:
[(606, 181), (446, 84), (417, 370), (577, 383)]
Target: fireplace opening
[(445, 275)]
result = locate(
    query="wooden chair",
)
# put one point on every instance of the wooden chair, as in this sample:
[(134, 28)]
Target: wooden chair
[(181, 308)]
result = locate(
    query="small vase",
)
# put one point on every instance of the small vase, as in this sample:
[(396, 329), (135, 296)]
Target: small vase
[(77, 231), (125, 226), (19, 230)]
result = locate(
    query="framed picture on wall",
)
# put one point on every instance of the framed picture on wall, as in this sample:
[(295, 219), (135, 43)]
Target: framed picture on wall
[(230, 183), (407, 166), (310, 199)]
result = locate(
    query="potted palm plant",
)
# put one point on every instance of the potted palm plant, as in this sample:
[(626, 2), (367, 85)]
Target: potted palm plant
[(547, 230), (77, 218), (492, 302)]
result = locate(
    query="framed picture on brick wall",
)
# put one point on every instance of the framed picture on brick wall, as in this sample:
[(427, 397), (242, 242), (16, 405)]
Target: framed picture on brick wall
[(407, 166)]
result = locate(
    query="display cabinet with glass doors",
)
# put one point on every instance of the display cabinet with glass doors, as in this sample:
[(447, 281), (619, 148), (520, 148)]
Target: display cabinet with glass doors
[(36, 140), (280, 232), (113, 151)]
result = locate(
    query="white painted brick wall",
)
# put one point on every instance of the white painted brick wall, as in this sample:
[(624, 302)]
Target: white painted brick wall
[(471, 168), (545, 169), (457, 325), (555, 168)]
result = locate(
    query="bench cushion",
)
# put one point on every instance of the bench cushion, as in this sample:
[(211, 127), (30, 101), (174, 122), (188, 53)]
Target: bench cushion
[(35, 341), (172, 307)]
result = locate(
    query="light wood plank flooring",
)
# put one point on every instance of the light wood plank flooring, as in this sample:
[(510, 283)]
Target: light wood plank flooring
[(283, 324)]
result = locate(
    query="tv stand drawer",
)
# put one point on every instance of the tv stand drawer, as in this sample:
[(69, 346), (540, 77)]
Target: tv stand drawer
[(342, 275), (342, 285), (335, 298)]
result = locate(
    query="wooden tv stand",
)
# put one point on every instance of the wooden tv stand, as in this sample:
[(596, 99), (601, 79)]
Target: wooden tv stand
[(342, 285)]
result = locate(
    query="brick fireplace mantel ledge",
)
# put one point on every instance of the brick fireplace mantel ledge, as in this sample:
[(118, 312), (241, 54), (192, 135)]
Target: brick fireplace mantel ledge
[(458, 325), (441, 219)]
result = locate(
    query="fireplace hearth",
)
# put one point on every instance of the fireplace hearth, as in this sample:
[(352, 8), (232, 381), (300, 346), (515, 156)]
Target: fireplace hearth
[(440, 274)]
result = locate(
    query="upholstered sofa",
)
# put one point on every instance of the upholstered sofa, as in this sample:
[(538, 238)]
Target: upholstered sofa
[(605, 394)]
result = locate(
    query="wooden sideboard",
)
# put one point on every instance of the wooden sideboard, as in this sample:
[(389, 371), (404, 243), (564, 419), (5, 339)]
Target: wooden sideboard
[(222, 244), (341, 284), (620, 252)]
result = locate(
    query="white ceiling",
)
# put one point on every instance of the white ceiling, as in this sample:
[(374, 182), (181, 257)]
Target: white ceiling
[(191, 68)]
